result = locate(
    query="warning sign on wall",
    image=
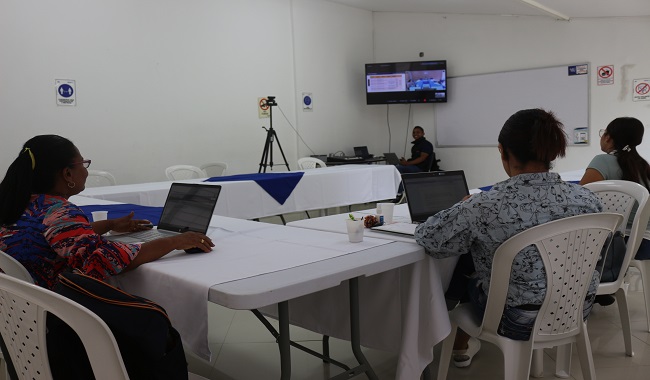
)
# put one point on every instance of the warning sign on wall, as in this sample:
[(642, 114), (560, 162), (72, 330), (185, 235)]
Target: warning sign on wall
[(605, 75), (641, 88), (262, 108)]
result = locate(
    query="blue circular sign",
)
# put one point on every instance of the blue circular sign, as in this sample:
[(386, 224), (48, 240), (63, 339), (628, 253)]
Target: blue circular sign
[(65, 90), (307, 100)]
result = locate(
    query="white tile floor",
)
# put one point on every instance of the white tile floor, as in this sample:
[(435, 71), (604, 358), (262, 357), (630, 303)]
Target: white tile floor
[(243, 349)]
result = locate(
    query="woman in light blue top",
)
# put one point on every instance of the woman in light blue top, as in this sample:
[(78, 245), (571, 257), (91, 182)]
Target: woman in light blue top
[(622, 162)]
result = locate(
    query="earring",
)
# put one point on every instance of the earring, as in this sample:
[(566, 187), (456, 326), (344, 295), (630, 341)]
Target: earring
[(71, 185)]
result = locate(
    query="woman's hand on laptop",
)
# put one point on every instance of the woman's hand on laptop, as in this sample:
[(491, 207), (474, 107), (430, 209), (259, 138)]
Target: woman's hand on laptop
[(123, 224), (128, 224), (189, 240)]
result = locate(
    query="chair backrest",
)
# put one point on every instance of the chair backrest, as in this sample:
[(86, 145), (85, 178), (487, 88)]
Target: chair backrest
[(23, 309), (13, 268), (620, 197), (310, 163), (179, 172), (433, 163), (98, 178), (569, 248), (214, 169)]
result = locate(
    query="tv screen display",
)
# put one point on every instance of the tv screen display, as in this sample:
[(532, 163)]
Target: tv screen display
[(406, 82)]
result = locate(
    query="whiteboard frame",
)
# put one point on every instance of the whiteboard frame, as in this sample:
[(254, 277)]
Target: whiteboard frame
[(492, 105)]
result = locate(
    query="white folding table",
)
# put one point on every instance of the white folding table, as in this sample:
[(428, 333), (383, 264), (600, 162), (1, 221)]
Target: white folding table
[(254, 265)]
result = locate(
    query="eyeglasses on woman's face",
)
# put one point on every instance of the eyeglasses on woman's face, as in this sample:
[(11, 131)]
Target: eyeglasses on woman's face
[(85, 163), (602, 132)]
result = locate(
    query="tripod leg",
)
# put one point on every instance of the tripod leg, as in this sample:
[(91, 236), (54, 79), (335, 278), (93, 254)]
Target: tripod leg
[(271, 137), (265, 153), (281, 151)]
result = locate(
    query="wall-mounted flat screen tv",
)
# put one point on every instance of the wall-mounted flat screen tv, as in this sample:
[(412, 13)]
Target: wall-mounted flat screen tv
[(406, 82)]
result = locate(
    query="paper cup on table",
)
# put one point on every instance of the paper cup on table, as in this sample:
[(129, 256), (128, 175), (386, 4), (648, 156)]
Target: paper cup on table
[(355, 230), (386, 209), (99, 215)]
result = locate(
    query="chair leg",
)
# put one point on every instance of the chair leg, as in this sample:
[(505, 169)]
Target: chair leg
[(537, 365), (563, 361), (623, 311), (584, 353), (445, 354), (644, 268), (517, 358)]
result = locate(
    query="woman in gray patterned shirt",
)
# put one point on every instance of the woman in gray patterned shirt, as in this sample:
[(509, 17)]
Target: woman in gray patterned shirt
[(529, 141)]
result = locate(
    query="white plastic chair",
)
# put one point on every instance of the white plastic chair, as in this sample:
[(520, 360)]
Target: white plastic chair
[(214, 169), (179, 172), (569, 248), (310, 163), (23, 309), (14, 268), (618, 197), (98, 178)]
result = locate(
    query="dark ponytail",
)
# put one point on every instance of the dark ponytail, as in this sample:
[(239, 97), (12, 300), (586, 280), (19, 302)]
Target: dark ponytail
[(34, 171), (533, 135), (627, 134)]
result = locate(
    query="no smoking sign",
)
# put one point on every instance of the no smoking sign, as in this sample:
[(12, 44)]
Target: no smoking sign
[(641, 90), (605, 75)]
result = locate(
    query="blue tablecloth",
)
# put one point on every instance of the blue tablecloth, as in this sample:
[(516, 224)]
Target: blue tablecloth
[(277, 185), (115, 211)]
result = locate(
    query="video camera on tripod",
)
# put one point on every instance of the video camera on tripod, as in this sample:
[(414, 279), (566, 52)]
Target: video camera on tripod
[(270, 136), (270, 101)]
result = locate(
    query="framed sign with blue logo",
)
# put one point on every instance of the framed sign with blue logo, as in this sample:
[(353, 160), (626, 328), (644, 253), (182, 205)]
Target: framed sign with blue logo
[(66, 92)]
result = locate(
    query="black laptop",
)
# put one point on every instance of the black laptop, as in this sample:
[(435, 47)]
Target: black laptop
[(362, 151), (427, 194), (189, 207), (391, 158)]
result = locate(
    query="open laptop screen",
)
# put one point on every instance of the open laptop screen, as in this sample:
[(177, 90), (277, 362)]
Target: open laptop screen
[(189, 207), (430, 192)]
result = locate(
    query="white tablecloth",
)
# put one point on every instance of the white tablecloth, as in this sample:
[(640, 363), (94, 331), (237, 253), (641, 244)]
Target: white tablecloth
[(318, 189), (407, 304), (180, 282)]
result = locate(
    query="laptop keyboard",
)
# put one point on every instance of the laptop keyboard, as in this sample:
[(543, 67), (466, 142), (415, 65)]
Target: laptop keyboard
[(148, 235)]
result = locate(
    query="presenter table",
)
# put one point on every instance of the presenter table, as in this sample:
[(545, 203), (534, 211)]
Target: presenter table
[(400, 297), (318, 189)]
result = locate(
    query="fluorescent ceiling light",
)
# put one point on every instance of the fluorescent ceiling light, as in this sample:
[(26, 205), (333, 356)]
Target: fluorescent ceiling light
[(546, 9)]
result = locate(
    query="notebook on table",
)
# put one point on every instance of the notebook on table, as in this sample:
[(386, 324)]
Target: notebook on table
[(428, 193), (391, 158), (188, 207)]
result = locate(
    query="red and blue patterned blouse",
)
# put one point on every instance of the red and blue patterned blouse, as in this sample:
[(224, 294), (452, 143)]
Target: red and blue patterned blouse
[(54, 235)]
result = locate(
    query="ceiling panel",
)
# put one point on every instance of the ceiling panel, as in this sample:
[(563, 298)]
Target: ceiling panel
[(570, 8)]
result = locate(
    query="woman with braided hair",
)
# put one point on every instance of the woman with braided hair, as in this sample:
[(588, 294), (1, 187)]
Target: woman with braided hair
[(48, 234)]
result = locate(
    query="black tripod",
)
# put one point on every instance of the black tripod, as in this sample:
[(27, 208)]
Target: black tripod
[(270, 136)]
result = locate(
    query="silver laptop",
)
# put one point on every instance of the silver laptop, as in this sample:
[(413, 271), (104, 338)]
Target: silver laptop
[(391, 158), (189, 207), (428, 193)]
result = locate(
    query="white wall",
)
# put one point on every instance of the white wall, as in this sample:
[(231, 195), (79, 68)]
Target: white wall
[(169, 81), (485, 44), (176, 82), (332, 44)]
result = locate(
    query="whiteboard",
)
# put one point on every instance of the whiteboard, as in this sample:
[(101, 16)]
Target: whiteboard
[(478, 105)]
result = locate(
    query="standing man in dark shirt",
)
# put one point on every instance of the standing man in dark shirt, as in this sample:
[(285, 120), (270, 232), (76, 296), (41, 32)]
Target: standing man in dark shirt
[(421, 154)]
